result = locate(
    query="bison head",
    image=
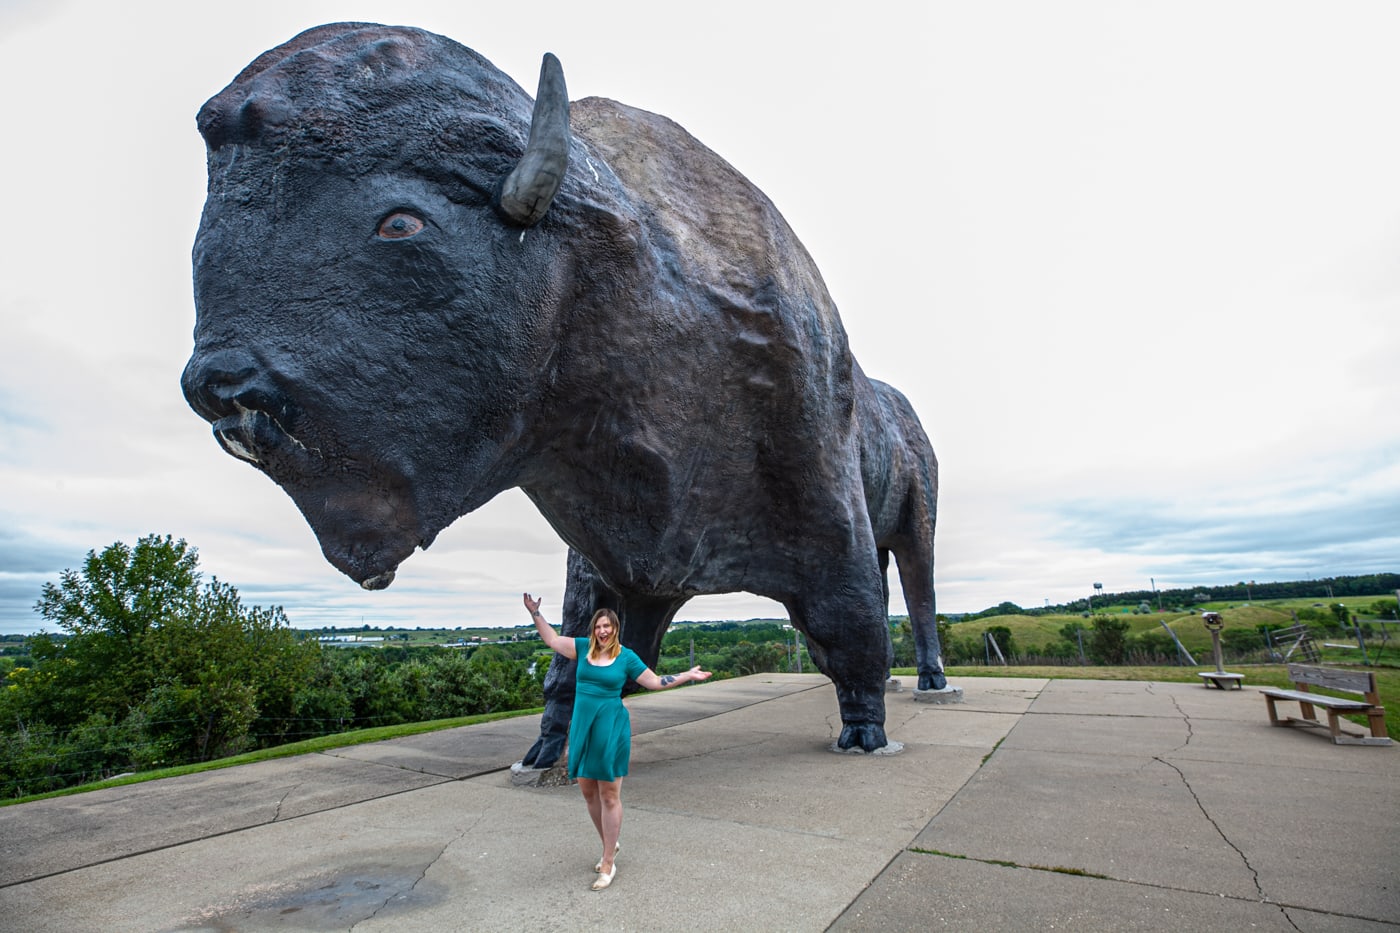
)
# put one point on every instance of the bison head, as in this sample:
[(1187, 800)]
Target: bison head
[(378, 286)]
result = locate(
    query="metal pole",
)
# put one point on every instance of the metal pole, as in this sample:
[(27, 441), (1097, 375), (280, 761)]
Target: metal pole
[(1179, 646), (1360, 641)]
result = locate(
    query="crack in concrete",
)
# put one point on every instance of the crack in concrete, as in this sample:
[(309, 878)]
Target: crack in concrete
[(1095, 876), (1190, 733), (424, 873), (277, 814), (1253, 872), (914, 714), (831, 731), (330, 753), (1190, 730)]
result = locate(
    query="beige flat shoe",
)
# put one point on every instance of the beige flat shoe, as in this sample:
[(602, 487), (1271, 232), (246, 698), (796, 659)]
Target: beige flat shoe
[(617, 847), (605, 878)]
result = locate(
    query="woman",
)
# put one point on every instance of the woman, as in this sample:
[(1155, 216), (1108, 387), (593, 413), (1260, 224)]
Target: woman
[(600, 733)]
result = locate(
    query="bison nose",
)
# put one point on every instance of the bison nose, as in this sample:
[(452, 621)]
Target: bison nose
[(226, 382)]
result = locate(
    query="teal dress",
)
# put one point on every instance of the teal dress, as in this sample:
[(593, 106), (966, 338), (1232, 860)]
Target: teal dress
[(600, 733)]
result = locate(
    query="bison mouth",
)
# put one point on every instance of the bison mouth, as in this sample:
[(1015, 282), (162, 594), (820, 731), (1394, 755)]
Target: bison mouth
[(362, 512), (256, 436)]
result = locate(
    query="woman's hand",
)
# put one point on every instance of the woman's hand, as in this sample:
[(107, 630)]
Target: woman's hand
[(556, 642), (651, 681)]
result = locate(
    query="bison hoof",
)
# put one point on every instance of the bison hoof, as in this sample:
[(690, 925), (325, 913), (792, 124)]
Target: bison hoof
[(867, 736), (933, 681)]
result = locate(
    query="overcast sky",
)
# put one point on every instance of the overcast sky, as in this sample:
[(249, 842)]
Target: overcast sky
[(1137, 266)]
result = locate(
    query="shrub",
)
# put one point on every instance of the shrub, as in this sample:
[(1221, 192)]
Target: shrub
[(1108, 640)]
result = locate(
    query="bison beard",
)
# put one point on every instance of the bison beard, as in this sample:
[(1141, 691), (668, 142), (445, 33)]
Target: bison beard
[(415, 289)]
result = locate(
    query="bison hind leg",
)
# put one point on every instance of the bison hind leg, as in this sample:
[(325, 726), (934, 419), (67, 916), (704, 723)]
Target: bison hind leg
[(916, 579), (932, 680)]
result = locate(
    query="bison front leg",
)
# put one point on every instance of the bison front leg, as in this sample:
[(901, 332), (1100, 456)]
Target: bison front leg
[(849, 640), (558, 710)]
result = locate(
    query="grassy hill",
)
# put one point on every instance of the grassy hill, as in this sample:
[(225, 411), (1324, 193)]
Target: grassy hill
[(1034, 634)]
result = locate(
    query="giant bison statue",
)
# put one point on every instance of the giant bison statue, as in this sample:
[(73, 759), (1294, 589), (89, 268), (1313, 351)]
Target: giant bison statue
[(414, 289)]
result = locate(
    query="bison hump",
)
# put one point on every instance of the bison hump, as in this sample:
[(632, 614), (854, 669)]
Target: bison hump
[(724, 229)]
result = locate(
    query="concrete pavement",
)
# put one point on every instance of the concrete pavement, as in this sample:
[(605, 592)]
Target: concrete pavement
[(1084, 805)]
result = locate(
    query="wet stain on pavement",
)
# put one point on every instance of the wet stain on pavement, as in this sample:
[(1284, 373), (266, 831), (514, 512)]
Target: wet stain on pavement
[(331, 901)]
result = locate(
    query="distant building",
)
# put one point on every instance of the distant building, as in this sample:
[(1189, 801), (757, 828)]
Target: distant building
[(344, 641)]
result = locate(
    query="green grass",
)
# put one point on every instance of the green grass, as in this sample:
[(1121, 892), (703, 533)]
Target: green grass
[(318, 744)]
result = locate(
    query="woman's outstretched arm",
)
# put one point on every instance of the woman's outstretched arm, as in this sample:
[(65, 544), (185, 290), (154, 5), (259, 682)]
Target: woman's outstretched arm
[(556, 642), (651, 681)]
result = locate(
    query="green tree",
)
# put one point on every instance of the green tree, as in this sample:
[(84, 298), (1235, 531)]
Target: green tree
[(1155, 644), (176, 668), (1002, 634), (1070, 631), (107, 610), (1241, 640), (321, 705), (902, 641), (1108, 640), (960, 650), (945, 632), (221, 668), (748, 658)]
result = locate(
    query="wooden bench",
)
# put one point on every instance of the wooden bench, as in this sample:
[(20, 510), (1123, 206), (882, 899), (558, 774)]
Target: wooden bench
[(1358, 682), (1221, 679)]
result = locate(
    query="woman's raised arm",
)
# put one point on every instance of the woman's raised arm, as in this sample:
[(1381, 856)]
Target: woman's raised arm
[(556, 642)]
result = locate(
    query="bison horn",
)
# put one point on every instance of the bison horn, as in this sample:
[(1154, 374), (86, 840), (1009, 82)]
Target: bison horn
[(530, 187)]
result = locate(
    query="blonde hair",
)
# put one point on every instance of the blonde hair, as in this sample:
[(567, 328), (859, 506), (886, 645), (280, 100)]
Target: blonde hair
[(614, 645)]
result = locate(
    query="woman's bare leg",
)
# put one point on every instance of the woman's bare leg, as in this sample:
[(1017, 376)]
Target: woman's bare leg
[(593, 801), (610, 824)]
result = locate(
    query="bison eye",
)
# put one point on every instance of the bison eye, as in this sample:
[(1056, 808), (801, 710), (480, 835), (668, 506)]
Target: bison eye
[(399, 226)]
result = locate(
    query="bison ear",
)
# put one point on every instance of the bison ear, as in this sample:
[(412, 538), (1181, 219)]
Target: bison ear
[(530, 187)]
